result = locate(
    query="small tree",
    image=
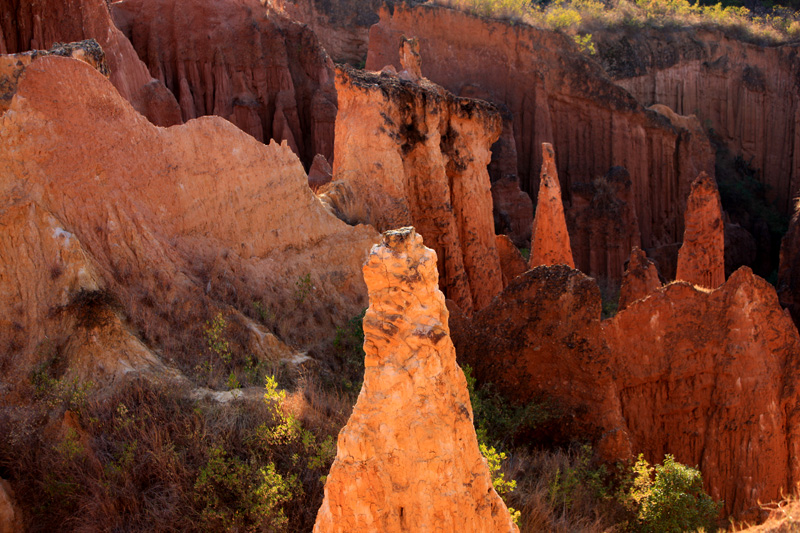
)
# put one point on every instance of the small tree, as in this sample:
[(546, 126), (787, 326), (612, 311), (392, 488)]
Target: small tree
[(674, 501)]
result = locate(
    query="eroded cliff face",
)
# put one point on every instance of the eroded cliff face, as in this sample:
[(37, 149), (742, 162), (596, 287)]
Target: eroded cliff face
[(541, 339), (175, 224), (701, 259), (639, 281), (603, 224), (426, 167), (242, 61), (408, 458), (749, 94), (10, 514), (706, 375), (342, 26), (711, 378), (555, 95), (54, 301), (549, 237), (28, 26)]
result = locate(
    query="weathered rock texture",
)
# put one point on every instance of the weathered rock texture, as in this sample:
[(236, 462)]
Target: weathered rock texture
[(747, 93), (52, 301), (10, 514), (540, 339), (549, 236), (13, 65), (320, 172), (512, 264), (708, 376), (342, 26), (39, 25), (408, 458), (789, 272), (428, 152), (640, 279), (701, 259), (711, 377), (175, 224), (242, 61), (603, 225), (555, 95)]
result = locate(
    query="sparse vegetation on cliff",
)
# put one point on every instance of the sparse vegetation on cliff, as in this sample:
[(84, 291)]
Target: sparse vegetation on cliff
[(579, 18), (149, 455)]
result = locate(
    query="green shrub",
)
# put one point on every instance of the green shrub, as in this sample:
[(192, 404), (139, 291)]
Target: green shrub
[(239, 496), (215, 337), (562, 18), (671, 501), (585, 43), (497, 420), (512, 10)]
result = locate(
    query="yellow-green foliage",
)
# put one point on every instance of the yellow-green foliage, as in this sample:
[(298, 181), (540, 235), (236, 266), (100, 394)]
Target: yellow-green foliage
[(580, 17), (513, 10), (670, 498)]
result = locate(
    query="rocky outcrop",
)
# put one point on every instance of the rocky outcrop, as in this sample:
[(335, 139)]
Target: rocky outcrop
[(54, 301), (10, 514), (320, 172), (408, 458), (603, 225), (640, 279), (555, 95), (549, 237), (747, 93), (28, 26), (701, 259), (13, 65), (512, 264), (540, 340), (175, 224), (706, 375), (428, 152), (242, 61), (789, 272), (710, 377)]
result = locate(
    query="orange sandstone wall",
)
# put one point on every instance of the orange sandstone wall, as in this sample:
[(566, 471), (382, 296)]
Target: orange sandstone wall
[(26, 25), (749, 94), (242, 61), (556, 95)]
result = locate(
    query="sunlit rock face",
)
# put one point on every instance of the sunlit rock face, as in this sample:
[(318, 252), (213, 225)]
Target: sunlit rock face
[(408, 458)]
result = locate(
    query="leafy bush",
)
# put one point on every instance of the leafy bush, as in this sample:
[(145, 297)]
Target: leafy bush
[(562, 17), (497, 420), (585, 43), (239, 496), (671, 502), (148, 454)]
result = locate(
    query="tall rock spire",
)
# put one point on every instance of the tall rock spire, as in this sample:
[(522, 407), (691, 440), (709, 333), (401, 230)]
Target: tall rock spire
[(701, 259), (408, 458), (549, 237)]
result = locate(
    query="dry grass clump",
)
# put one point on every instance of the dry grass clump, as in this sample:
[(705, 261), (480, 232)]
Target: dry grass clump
[(150, 457), (559, 491), (581, 17), (779, 517)]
